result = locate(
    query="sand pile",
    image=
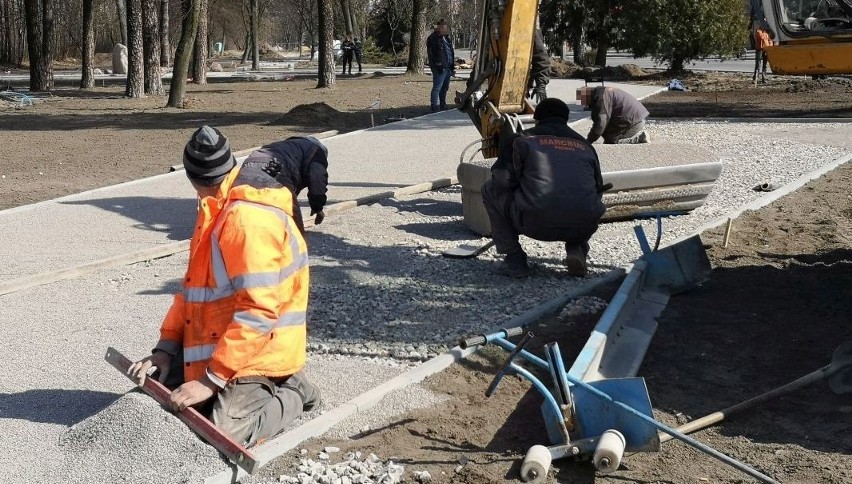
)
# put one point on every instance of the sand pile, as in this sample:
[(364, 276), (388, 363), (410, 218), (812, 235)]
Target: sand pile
[(134, 440)]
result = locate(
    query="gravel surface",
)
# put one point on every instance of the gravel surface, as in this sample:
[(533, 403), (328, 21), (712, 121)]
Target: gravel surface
[(383, 297)]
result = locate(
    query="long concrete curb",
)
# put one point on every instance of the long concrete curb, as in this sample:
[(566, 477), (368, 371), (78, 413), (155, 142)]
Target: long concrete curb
[(177, 247), (318, 426)]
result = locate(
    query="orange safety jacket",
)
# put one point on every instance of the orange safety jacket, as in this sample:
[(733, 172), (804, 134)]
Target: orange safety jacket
[(762, 39), (243, 307)]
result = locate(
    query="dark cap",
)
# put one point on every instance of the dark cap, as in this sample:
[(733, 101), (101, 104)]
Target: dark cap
[(207, 156), (552, 108)]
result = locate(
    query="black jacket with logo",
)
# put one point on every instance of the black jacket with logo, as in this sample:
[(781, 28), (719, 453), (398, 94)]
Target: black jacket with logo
[(555, 174)]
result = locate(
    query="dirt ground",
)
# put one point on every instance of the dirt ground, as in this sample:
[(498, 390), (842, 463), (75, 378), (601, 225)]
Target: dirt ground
[(775, 308)]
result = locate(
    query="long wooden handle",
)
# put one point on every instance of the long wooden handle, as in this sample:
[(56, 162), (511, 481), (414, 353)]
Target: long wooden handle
[(716, 417), (211, 434)]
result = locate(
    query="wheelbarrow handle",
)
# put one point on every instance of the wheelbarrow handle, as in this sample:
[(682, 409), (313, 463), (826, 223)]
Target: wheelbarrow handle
[(507, 364)]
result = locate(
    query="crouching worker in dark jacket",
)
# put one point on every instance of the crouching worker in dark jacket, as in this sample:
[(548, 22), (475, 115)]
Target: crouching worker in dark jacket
[(617, 117), (546, 184), (297, 163)]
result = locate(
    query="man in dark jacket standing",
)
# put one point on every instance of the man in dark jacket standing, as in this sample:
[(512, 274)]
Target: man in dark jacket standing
[(546, 184), (348, 51), (441, 58), (617, 116), (297, 163), (359, 52)]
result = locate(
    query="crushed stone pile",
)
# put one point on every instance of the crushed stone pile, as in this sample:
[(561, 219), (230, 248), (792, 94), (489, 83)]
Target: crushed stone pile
[(353, 469), (135, 440)]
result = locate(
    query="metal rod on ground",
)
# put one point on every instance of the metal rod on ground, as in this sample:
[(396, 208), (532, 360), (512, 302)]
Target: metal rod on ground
[(840, 362), (727, 237), (674, 433)]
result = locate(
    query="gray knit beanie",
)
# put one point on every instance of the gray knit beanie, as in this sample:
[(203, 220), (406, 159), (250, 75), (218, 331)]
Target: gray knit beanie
[(207, 157)]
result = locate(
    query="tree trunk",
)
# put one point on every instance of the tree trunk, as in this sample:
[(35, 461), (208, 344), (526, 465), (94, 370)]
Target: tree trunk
[(603, 46), (326, 43), (255, 21), (88, 79), (416, 47), (199, 66), (135, 86), (151, 46), (120, 7), (183, 53), (248, 47), (347, 16), (165, 47), (353, 19), (676, 65), (39, 18)]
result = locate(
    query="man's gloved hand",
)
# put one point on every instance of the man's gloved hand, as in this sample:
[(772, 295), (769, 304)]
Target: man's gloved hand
[(159, 361), (319, 218), (540, 93)]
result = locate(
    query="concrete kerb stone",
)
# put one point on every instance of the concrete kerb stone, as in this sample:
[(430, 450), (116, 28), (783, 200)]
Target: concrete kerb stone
[(758, 120), (318, 426)]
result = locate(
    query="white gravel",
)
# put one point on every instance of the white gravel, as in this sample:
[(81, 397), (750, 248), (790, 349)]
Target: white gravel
[(382, 299)]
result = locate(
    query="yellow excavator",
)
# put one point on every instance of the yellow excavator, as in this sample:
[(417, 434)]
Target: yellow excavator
[(813, 37), (497, 88)]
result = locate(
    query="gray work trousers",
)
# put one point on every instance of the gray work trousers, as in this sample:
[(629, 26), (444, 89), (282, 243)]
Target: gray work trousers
[(507, 223), (629, 135), (253, 408)]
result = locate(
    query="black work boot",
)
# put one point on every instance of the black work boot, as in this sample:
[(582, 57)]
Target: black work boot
[(514, 265), (575, 259)]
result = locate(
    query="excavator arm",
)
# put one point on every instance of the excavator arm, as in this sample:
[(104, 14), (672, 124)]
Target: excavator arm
[(497, 87)]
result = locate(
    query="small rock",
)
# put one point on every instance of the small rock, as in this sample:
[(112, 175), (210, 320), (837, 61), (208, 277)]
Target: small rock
[(422, 476), (458, 469), (216, 67), (373, 459), (303, 451), (322, 456), (332, 450)]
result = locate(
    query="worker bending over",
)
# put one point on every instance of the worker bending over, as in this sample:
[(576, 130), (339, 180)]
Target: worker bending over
[(546, 184), (297, 163), (617, 116), (233, 341)]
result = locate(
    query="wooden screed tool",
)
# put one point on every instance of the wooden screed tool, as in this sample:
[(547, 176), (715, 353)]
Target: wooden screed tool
[(211, 434)]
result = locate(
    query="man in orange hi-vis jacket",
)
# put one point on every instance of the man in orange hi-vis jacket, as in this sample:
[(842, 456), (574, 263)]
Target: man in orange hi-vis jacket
[(233, 342), (762, 40)]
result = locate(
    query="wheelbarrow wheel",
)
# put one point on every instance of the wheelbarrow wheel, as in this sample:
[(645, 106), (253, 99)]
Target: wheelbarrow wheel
[(536, 464)]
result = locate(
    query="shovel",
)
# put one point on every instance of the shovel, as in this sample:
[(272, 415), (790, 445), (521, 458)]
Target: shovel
[(838, 373), (467, 251)]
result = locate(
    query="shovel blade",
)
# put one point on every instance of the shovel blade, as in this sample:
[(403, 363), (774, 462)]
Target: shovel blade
[(840, 373), (467, 251)]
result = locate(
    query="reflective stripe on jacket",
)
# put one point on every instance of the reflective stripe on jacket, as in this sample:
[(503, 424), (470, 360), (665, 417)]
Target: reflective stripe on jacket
[(243, 307)]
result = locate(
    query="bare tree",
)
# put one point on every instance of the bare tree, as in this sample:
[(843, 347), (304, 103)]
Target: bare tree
[(255, 22), (121, 9), (165, 47), (39, 18), (416, 47), (199, 66), (151, 46), (87, 81), (325, 10), (135, 86), (177, 90)]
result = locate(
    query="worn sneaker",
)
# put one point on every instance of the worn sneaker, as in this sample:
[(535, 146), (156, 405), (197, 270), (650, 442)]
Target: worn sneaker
[(575, 259), (514, 265), (644, 137)]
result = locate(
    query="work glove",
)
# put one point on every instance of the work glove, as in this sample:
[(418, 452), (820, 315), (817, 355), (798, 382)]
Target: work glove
[(539, 93), (319, 218), (158, 361)]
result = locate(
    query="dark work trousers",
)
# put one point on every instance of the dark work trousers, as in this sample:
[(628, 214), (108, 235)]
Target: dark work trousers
[(358, 57), (252, 408), (760, 58), (347, 59), (507, 223), (628, 135)]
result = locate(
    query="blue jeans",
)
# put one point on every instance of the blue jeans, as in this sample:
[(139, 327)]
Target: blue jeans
[(440, 85)]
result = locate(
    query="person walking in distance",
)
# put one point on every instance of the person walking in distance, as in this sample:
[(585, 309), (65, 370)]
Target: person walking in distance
[(441, 59), (358, 48), (347, 48), (233, 342)]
